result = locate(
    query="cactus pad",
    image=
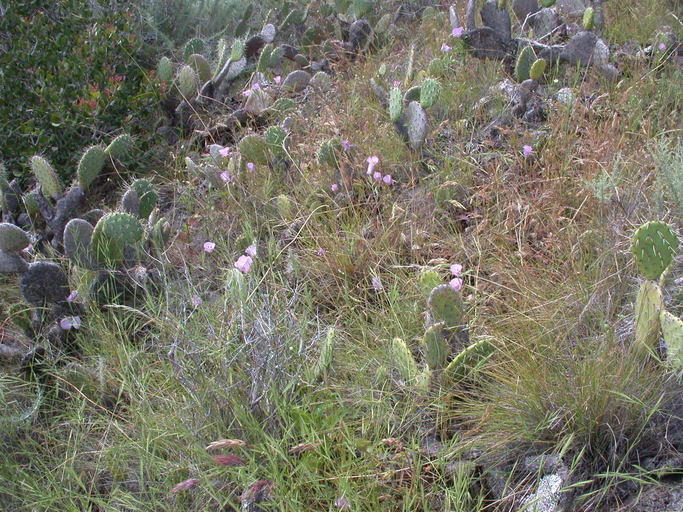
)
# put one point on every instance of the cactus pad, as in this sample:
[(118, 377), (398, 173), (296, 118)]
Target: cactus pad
[(412, 94), (537, 69), (90, 165), (147, 197), (44, 283), (429, 92), (653, 247), (282, 106), (193, 46), (165, 69), (275, 137), (112, 233), (264, 58), (525, 60), (78, 243), (468, 361), (120, 146), (395, 104), (329, 151), (13, 239), (588, 18), (50, 184), (445, 305), (402, 360), (237, 50), (435, 347), (187, 81), (672, 330), (416, 124), (200, 66), (253, 148), (649, 303)]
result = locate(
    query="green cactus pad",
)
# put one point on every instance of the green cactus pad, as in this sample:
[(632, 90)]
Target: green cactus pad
[(588, 18), (193, 46), (275, 137), (78, 243), (468, 362), (120, 146), (395, 104), (649, 304), (112, 233), (13, 239), (329, 151), (282, 106), (429, 279), (31, 205), (416, 124), (90, 165), (187, 81), (525, 59), (547, 3), (147, 196), (412, 94), (537, 69), (435, 347), (445, 305), (50, 184), (437, 67), (672, 330), (264, 58), (429, 92), (237, 50), (402, 360), (653, 246), (165, 69), (253, 148), (201, 67), (285, 207)]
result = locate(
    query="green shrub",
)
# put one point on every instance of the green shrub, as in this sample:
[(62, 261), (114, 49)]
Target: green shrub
[(70, 77)]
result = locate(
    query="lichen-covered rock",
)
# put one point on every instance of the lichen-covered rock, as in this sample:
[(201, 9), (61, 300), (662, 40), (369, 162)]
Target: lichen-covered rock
[(44, 283), (545, 22)]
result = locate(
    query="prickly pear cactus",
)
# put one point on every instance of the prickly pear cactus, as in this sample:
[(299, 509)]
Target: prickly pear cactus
[(429, 279), (50, 184), (282, 106), (264, 58), (537, 69), (90, 165), (44, 283), (435, 347), (588, 18), (402, 360), (653, 246), (165, 69), (237, 50), (416, 124), (672, 330), (201, 67), (649, 304), (253, 148), (78, 243), (193, 46), (13, 239), (547, 3), (437, 67), (120, 146), (147, 197), (525, 60), (187, 81), (275, 137), (468, 361), (412, 94), (112, 233), (395, 104), (445, 305), (329, 151), (429, 92)]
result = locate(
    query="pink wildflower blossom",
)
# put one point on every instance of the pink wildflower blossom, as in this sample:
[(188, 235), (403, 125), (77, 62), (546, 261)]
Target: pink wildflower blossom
[(456, 269), (372, 162), (251, 251), (209, 246), (526, 150), (334, 187), (456, 283), (225, 176), (224, 152), (243, 263), (458, 31), (445, 48), (70, 322), (387, 179)]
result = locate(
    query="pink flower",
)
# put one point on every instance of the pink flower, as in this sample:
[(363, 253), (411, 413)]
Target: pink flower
[(320, 251), (377, 284), (445, 48), (342, 504), (72, 296), (246, 93), (225, 176), (458, 31), (377, 176), (250, 166), (456, 269), (387, 179), (661, 47), (456, 283), (396, 83), (251, 250), (277, 80), (224, 152), (70, 322), (196, 300), (372, 162), (334, 187), (184, 485), (256, 86), (243, 263), (209, 246), (346, 145), (526, 150)]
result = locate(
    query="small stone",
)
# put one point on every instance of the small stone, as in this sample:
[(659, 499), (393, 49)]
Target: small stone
[(547, 497)]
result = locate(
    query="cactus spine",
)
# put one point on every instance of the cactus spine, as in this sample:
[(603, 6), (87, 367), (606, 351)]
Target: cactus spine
[(653, 247), (50, 184), (90, 165), (395, 104), (429, 92)]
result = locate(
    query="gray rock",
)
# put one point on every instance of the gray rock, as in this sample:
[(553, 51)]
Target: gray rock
[(416, 124), (573, 8), (580, 49), (547, 497), (600, 53), (297, 80), (566, 97), (497, 19), (44, 282), (359, 33), (12, 263), (545, 22), (486, 43), (609, 71), (524, 8)]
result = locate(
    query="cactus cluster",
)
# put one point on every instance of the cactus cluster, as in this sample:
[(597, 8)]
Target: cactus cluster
[(430, 90), (525, 60), (653, 246)]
